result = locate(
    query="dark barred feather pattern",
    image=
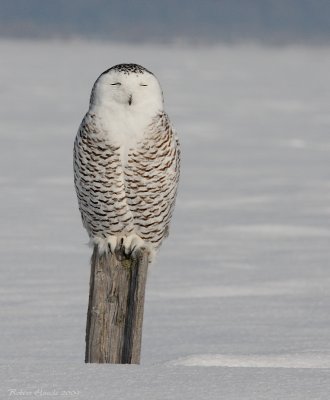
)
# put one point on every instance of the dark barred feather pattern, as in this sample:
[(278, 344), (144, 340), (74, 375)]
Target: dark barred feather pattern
[(138, 197)]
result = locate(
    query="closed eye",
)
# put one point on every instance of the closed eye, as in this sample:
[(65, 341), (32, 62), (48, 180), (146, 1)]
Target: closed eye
[(143, 84), (115, 84)]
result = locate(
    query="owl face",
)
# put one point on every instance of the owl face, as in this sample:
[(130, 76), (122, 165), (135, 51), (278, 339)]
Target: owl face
[(127, 87)]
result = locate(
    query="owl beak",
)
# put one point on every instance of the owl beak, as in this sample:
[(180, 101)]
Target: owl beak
[(130, 99)]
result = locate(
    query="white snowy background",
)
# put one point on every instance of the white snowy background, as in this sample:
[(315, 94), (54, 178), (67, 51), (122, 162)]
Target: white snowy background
[(237, 305)]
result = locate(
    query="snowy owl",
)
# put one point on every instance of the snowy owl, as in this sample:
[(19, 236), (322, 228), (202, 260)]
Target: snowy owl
[(126, 162)]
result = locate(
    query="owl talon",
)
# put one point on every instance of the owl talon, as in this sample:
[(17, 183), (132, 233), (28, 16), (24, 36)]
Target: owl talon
[(105, 245), (130, 253), (131, 244)]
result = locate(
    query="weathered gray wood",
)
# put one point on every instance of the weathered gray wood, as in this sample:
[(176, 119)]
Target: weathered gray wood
[(115, 309)]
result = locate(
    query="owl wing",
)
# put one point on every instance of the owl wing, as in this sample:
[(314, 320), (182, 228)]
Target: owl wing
[(152, 176), (99, 182)]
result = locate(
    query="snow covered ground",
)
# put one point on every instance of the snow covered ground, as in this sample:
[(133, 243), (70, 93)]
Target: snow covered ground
[(238, 303)]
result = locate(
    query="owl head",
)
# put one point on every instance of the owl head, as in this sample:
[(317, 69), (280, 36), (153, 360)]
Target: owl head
[(129, 87)]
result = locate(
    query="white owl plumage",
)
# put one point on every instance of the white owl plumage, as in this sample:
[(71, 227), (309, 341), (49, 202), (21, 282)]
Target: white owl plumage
[(126, 162)]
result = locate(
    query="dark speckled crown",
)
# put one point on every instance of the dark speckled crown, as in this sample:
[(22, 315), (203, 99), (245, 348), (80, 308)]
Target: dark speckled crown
[(128, 69)]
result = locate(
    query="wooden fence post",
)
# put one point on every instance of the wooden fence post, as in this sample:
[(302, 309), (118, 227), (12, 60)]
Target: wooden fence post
[(115, 308)]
